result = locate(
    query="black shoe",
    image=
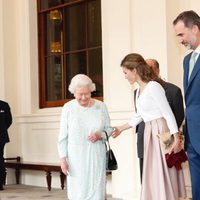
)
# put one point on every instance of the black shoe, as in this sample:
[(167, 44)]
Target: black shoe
[(1, 187)]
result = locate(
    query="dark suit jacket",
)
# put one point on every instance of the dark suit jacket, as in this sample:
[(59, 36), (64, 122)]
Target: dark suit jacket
[(192, 102), (175, 99), (5, 121)]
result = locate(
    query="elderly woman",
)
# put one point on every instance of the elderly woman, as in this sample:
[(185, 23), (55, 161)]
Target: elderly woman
[(81, 146)]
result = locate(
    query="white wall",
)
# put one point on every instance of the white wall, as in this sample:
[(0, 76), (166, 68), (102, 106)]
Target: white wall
[(149, 31), (128, 26), (116, 44), (1, 53)]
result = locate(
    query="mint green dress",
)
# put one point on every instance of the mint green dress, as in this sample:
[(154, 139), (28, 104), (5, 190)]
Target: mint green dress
[(87, 174)]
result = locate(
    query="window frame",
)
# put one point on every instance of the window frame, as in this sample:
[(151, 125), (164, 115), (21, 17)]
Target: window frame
[(43, 103)]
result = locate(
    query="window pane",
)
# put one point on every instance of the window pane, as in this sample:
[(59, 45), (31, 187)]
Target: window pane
[(69, 33), (53, 32), (44, 4), (95, 70), (75, 64), (54, 78), (74, 27), (94, 23)]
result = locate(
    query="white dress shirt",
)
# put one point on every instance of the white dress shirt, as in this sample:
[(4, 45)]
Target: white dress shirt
[(193, 59), (197, 50)]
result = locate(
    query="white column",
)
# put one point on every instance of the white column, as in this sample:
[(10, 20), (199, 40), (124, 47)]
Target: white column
[(116, 39), (1, 53)]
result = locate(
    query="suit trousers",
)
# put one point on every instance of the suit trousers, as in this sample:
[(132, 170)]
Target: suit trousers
[(2, 167), (194, 163), (141, 168)]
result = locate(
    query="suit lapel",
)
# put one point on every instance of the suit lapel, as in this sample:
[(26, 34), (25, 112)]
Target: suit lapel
[(186, 71)]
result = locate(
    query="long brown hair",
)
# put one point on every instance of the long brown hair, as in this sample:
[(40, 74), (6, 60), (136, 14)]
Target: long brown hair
[(136, 61)]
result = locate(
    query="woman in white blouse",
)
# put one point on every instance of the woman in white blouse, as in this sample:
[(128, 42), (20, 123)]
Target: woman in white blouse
[(81, 147), (158, 182)]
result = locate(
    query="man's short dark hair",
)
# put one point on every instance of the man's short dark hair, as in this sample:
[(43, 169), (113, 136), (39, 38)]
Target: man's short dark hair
[(189, 18)]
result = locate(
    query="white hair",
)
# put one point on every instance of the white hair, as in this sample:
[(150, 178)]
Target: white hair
[(81, 80)]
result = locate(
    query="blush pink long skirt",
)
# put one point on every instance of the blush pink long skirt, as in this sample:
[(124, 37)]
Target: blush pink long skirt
[(159, 182)]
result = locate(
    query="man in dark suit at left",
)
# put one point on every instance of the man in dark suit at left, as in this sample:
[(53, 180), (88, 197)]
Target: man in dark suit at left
[(5, 122)]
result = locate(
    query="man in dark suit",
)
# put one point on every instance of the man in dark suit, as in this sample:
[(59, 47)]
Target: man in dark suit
[(175, 99), (5, 122), (187, 29)]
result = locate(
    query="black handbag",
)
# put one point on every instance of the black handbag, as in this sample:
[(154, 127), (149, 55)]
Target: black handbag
[(111, 162)]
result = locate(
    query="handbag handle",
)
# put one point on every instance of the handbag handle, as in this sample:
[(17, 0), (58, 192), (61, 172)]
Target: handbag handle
[(107, 140)]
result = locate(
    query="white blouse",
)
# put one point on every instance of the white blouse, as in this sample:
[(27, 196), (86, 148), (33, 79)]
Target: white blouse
[(152, 104)]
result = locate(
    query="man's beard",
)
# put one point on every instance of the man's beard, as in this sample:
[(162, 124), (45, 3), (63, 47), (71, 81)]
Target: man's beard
[(190, 44)]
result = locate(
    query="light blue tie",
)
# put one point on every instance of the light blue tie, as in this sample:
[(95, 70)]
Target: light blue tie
[(192, 63)]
